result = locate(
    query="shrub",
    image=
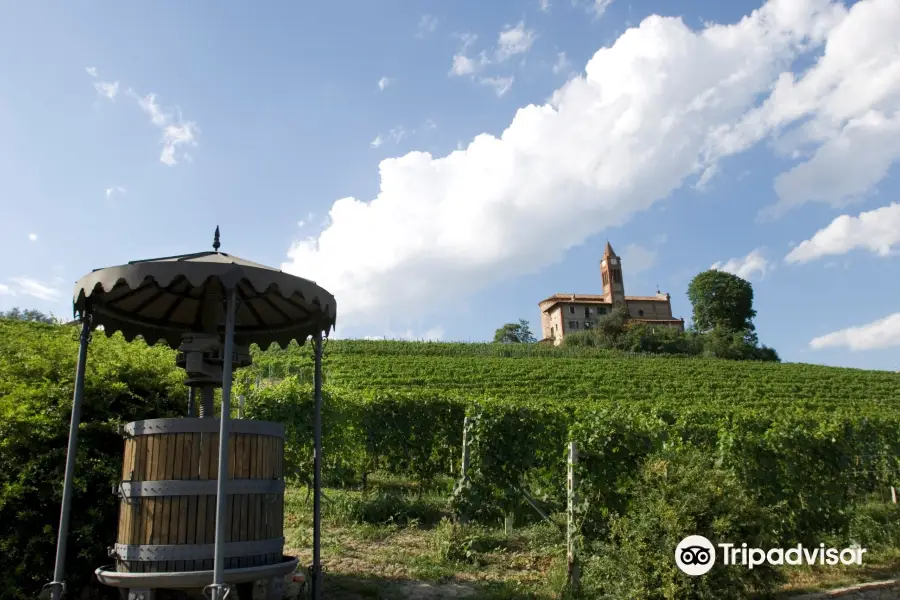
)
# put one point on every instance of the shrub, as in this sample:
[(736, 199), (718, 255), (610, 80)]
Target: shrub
[(124, 382), (680, 493)]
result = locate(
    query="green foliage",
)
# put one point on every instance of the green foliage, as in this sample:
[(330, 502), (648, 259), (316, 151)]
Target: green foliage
[(875, 525), (643, 338), (124, 382), (506, 444), (384, 507), (515, 333), (465, 543), (721, 300), (679, 493), (807, 441)]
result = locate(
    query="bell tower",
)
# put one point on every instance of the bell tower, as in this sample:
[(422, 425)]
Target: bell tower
[(611, 273)]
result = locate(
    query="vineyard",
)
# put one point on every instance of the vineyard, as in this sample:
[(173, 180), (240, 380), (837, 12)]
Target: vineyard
[(799, 445), (807, 439)]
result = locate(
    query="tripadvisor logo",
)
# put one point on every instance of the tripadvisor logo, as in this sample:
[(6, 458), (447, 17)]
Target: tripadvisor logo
[(696, 555)]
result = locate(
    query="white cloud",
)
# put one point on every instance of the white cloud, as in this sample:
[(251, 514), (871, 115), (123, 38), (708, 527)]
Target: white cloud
[(176, 131), (544, 5), (598, 7), (884, 333), (395, 135), (462, 65), (427, 24), (845, 167), (383, 83), (637, 259), (746, 267), (107, 89), (513, 41), (647, 115), (110, 191), (32, 237), (501, 85), (26, 286), (876, 230), (5, 290), (562, 63), (92, 71), (844, 112)]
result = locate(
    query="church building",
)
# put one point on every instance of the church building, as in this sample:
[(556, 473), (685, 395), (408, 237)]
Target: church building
[(564, 313)]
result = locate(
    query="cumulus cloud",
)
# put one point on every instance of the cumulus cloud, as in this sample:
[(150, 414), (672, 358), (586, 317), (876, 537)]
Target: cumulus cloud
[(544, 5), (746, 267), (652, 112), (876, 230), (513, 41), (92, 71), (176, 131), (383, 83), (843, 112), (884, 333), (462, 65), (32, 237)]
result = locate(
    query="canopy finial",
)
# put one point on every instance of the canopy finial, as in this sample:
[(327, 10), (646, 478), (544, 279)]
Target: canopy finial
[(216, 244)]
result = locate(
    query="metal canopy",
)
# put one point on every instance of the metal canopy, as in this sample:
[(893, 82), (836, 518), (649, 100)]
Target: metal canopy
[(162, 298), (216, 295)]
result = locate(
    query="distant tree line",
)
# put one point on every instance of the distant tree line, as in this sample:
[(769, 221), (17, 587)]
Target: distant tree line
[(29, 314)]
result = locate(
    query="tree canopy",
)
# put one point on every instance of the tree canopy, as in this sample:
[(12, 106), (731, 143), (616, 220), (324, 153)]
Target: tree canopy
[(29, 314), (721, 300), (515, 333)]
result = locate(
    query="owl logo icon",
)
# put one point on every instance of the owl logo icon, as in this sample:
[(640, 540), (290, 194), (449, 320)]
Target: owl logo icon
[(695, 555)]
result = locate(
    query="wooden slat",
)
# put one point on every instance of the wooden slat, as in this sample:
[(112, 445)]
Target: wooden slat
[(279, 455), (256, 518), (137, 526), (148, 504)]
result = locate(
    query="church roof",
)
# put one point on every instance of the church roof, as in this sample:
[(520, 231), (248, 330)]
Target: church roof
[(609, 250)]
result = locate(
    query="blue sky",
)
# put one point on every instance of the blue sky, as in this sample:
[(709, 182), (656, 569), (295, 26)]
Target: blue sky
[(130, 130)]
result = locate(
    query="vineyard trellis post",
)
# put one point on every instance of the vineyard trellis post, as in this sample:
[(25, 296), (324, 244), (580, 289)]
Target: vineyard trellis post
[(464, 468), (571, 533), (893, 495)]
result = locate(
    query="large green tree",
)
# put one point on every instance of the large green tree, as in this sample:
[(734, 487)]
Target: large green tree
[(721, 300), (515, 333)]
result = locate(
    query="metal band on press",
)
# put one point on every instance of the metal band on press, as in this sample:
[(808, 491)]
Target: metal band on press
[(187, 425), (149, 552), (196, 487)]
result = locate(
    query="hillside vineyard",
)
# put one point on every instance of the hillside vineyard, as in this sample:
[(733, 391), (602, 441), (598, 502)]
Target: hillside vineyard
[(579, 376)]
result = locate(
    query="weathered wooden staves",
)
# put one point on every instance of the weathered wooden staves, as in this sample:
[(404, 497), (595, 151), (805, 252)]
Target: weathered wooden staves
[(168, 495)]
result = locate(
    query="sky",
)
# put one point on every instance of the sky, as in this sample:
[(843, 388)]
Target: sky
[(441, 167)]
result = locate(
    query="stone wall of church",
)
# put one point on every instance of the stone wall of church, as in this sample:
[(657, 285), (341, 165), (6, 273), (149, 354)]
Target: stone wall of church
[(651, 310)]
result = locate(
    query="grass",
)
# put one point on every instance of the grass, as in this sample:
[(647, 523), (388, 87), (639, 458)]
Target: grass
[(414, 552), (393, 544)]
